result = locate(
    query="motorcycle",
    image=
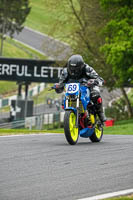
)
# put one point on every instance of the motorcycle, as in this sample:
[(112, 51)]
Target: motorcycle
[(80, 117)]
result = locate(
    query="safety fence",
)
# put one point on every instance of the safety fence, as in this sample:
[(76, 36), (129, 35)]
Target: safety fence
[(13, 124), (45, 121), (38, 122)]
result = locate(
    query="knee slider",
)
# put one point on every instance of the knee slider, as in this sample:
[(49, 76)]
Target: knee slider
[(99, 100)]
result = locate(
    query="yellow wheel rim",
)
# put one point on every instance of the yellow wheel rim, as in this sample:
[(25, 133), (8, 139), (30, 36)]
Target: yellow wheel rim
[(72, 126), (98, 132)]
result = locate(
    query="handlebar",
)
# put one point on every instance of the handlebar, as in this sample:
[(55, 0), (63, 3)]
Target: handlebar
[(55, 86), (84, 82), (52, 88)]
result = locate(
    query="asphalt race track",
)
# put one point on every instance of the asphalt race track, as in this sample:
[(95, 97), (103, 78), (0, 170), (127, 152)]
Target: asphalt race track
[(45, 167)]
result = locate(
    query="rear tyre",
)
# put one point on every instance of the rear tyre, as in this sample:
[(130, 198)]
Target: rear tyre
[(70, 129), (98, 132)]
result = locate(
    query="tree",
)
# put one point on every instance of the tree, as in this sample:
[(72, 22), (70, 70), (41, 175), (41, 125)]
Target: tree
[(84, 19), (118, 48), (13, 14)]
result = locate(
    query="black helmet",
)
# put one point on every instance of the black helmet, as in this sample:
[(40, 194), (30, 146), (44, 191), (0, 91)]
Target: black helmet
[(75, 65)]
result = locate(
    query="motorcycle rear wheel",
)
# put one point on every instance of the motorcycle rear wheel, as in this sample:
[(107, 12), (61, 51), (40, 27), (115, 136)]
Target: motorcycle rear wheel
[(98, 133), (70, 129)]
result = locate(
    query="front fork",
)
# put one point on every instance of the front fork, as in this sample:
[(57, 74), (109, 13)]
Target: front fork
[(77, 116), (77, 108)]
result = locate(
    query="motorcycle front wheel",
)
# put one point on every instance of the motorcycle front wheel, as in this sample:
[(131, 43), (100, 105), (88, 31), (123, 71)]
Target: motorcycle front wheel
[(70, 129)]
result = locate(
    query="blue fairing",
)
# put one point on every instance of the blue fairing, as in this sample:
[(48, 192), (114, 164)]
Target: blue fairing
[(85, 96), (86, 132)]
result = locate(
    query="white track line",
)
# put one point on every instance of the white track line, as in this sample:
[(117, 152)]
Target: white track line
[(109, 195)]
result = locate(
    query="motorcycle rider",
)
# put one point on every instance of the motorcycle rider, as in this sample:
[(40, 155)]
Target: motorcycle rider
[(77, 69)]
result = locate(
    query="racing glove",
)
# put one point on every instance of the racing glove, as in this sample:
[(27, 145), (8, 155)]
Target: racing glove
[(92, 82), (58, 88)]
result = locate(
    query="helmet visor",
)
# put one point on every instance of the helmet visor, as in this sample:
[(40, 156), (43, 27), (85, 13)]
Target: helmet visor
[(74, 69)]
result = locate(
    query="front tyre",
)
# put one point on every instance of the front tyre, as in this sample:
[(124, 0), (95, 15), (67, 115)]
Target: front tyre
[(71, 131)]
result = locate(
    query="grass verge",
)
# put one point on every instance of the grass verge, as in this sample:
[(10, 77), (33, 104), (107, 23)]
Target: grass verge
[(20, 131), (124, 127), (15, 49), (129, 197)]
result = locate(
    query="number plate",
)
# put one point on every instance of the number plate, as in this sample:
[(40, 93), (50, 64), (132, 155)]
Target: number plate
[(72, 88)]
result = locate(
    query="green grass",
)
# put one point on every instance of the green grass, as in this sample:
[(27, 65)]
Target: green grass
[(124, 127), (39, 17), (50, 18), (130, 197), (7, 86), (26, 131), (15, 49)]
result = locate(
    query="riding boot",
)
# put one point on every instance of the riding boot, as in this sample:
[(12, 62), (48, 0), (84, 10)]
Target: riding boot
[(100, 113)]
